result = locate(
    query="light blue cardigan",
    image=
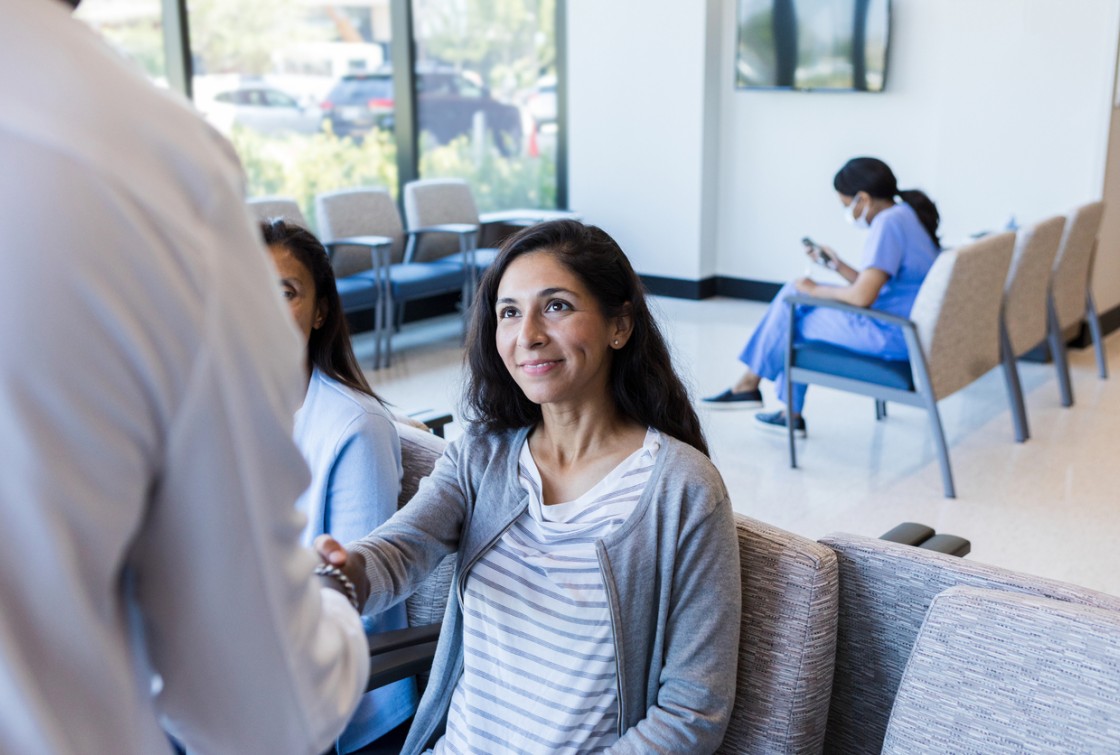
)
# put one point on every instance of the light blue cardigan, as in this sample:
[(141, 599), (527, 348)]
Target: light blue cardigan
[(671, 572), (350, 443)]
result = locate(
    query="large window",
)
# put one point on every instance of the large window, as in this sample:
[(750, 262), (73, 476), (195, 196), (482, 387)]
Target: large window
[(134, 28), (301, 88), (485, 74), (305, 89)]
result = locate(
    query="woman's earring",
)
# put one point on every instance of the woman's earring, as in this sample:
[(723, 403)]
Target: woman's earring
[(616, 342)]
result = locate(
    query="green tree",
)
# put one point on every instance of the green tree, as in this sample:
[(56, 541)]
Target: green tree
[(501, 40), (240, 36)]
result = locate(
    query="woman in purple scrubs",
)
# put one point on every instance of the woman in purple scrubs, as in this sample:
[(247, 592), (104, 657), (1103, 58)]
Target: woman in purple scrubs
[(900, 248)]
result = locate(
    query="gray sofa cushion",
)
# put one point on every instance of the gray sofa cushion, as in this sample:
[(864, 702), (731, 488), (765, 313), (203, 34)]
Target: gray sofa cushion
[(999, 672)]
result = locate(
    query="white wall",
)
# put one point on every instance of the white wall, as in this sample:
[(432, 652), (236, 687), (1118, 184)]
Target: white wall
[(639, 120), (993, 106)]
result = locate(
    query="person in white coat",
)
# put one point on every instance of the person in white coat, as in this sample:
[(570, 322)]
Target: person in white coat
[(153, 576)]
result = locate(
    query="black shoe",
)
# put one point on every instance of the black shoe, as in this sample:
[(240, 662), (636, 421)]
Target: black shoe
[(776, 422), (729, 399)]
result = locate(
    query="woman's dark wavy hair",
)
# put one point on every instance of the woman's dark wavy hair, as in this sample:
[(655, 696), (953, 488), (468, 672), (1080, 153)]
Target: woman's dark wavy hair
[(643, 383), (874, 176), (329, 347)]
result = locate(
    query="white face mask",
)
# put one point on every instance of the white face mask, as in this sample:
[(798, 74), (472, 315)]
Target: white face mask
[(859, 221)]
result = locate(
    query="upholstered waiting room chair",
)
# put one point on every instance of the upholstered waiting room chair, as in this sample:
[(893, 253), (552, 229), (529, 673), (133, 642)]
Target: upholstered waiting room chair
[(952, 337), (444, 211), (354, 293), (408, 652), (358, 222), (886, 590), (993, 671), (1071, 295), (266, 208), (787, 642), (434, 202), (1025, 314)]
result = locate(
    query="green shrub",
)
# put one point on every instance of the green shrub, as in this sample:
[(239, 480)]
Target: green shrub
[(301, 166)]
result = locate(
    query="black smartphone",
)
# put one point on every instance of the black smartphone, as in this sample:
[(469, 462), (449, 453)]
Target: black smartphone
[(825, 257)]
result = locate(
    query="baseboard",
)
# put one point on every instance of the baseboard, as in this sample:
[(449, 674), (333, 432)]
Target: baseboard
[(745, 288), (1077, 337), (679, 288), (733, 288), (1110, 321)]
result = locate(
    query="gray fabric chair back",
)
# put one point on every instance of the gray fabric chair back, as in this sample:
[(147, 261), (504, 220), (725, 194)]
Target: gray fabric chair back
[(957, 312), (358, 212), (885, 590), (267, 208), (419, 451), (435, 201), (787, 642), (996, 672), (1074, 263), (1024, 295)]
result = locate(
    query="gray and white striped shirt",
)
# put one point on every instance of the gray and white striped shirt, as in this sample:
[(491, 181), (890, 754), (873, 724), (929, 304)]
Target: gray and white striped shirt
[(539, 672)]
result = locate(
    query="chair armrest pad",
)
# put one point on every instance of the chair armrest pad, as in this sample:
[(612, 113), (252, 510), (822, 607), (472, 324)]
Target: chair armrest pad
[(950, 544), (400, 654), (359, 241), (397, 639), (814, 301), (400, 664), (908, 533), (433, 419), (456, 228)]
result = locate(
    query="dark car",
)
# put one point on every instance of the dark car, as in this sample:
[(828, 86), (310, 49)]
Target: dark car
[(447, 101)]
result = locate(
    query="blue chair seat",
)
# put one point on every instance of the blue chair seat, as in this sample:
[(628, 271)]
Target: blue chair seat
[(834, 360), (483, 258), (417, 280), (356, 292)]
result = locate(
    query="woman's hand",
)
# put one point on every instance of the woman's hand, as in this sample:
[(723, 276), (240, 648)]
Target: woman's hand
[(806, 285), (825, 256), (353, 565)]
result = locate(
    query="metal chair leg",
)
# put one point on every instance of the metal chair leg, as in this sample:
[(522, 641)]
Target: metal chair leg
[(1058, 354), (940, 446), (789, 386), (1095, 329), (1014, 387), (880, 409)]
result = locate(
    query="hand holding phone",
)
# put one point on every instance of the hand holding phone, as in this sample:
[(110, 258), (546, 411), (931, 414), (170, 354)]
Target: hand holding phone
[(817, 252)]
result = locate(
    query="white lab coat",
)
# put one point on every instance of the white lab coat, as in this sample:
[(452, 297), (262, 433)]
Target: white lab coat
[(148, 377)]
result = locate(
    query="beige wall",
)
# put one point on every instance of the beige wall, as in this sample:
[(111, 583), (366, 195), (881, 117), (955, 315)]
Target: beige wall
[(1106, 273)]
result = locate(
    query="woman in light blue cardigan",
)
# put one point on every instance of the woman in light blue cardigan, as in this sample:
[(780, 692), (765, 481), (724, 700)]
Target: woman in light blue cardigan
[(349, 442)]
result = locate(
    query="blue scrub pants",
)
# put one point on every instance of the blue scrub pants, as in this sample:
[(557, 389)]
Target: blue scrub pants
[(765, 352)]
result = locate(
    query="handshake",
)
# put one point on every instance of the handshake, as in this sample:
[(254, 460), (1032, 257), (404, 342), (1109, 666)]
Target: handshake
[(343, 571)]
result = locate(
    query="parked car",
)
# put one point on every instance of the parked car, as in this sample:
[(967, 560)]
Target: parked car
[(447, 103), (263, 109), (542, 102)]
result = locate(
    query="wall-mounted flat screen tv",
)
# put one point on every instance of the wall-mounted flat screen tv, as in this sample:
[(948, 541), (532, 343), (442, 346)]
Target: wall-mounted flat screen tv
[(836, 45)]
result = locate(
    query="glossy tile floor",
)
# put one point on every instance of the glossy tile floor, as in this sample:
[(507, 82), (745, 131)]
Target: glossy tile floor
[(1050, 506)]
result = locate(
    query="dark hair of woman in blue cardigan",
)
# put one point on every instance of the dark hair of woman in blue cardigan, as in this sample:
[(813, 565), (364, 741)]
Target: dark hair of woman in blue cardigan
[(328, 347)]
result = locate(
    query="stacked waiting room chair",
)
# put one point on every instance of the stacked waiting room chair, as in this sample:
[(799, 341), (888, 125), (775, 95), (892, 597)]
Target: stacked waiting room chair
[(982, 305)]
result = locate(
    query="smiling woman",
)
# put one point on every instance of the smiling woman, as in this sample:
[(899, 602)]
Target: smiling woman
[(596, 559)]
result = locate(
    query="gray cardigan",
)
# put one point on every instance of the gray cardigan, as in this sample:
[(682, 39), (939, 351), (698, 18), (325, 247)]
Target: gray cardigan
[(671, 572)]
